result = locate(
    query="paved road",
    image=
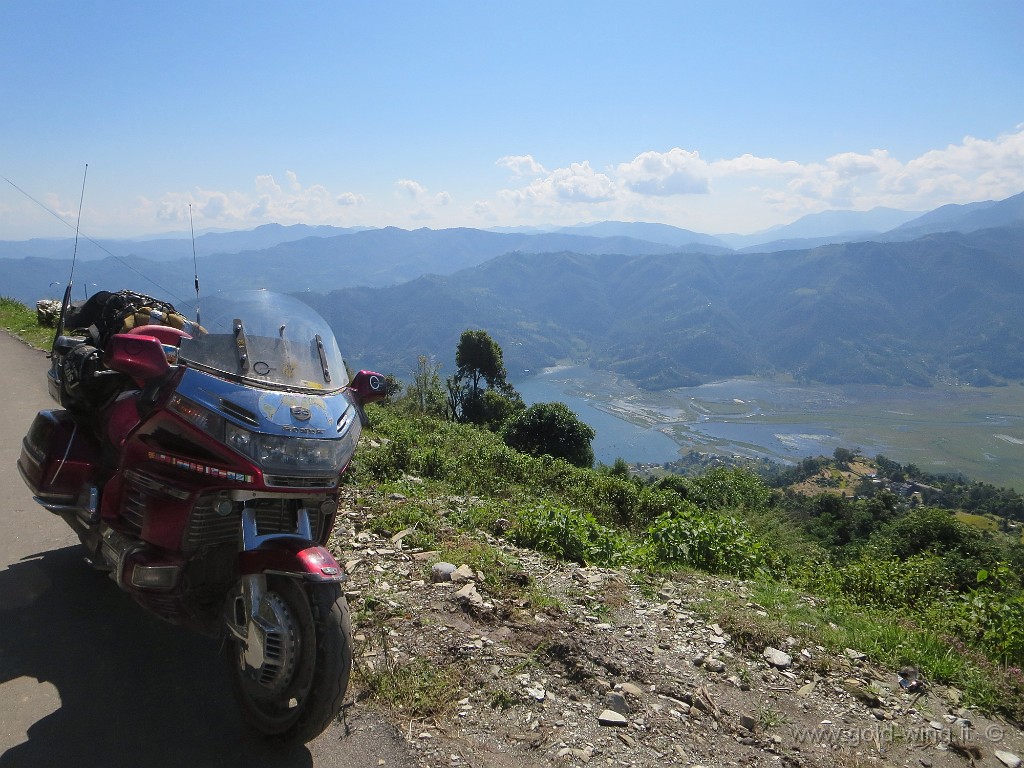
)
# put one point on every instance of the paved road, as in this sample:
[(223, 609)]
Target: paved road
[(87, 678)]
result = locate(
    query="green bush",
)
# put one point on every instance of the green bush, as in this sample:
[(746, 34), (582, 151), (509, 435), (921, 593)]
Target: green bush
[(569, 534), (917, 581), (708, 541)]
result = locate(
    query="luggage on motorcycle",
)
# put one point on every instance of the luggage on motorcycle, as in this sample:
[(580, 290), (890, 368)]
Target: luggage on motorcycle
[(86, 386), (106, 313), (57, 460), (81, 381)]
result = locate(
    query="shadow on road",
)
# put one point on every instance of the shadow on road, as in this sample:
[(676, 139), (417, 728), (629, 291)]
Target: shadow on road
[(134, 691)]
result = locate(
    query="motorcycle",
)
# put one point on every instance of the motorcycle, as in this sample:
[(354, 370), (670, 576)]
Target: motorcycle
[(209, 486)]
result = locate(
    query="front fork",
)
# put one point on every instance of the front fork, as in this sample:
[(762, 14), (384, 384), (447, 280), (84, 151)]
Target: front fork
[(250, 618)]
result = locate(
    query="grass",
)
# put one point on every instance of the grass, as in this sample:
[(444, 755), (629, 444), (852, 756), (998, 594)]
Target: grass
[(417, 689), (21, 321)]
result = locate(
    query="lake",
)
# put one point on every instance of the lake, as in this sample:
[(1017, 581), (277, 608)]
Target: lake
[(977, 431)]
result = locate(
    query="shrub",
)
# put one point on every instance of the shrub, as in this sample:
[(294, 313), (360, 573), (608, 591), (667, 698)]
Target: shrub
[(708, 541), (569, 535), (552, 429)]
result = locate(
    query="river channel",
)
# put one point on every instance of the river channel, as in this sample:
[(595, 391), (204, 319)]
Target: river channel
[(976, 431)]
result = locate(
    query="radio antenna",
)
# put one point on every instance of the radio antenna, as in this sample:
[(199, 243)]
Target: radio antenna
[(195, 262), (74, 258)]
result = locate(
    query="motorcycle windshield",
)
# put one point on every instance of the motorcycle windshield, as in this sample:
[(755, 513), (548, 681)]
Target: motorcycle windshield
[(268, 339)]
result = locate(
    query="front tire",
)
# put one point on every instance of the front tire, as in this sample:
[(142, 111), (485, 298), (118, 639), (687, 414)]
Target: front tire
[(290, 678)]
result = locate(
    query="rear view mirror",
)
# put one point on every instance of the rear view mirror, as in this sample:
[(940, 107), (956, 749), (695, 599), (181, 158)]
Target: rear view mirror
[(141, 357), (368, 387)]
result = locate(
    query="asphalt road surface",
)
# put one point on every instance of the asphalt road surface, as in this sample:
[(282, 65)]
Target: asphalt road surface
[(88, 678)]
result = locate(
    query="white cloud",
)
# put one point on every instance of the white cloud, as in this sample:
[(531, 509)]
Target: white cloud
[(678, 186), (268, 201), (426, 204), (413, 189), (676, 172), (579, 183), (521, 165), (748, 192)]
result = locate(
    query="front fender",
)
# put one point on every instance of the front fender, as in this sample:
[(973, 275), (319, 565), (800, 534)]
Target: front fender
[(291, 556)]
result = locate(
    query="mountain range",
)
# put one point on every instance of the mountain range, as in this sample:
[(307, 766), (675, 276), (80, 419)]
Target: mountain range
[(934, 297)]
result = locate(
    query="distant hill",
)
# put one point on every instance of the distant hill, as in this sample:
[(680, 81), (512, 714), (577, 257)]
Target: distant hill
[(374, 257), (962, 218), (654, 233), (889, 309), (168, 248), (822, 228), (940, 307)]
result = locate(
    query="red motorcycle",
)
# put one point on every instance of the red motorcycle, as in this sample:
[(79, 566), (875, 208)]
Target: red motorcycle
[(206, 481)]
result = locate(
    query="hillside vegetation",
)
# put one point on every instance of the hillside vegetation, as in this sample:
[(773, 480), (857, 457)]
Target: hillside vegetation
[(911, 586)]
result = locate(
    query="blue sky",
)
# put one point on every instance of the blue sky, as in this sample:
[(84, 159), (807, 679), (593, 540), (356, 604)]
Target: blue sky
[(714, 116)]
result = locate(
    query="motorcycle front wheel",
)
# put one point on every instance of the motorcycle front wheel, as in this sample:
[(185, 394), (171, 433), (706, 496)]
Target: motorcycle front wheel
[(291, 673)]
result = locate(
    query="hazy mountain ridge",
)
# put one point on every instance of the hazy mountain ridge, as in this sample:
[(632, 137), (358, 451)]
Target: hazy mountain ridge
[(889, 309), (629, 238), (374, 257), (944, 306)]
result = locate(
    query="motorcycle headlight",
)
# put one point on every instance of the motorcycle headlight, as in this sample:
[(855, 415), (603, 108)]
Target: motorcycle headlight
[(241, 440), (288, 454), (285, 453), (281, 453)]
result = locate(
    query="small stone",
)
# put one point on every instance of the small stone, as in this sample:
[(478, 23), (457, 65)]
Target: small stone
[(468, 594), (462, 574), (583, 755), (611, 718), (626, 739), (777, 658), (441, 572), (1008, 759), (631, 689), (807, 690), (748, 722), (854, 655), (616, 702), (714, 665), (536, 693)]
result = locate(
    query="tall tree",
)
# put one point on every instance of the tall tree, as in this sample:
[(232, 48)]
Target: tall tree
[(426, 391), (479, 362), (478, 358)]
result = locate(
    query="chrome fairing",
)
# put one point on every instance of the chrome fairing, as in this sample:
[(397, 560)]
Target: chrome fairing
[(286, 433)]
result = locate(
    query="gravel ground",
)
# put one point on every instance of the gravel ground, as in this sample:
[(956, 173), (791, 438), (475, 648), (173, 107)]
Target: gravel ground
[(583, 666)]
